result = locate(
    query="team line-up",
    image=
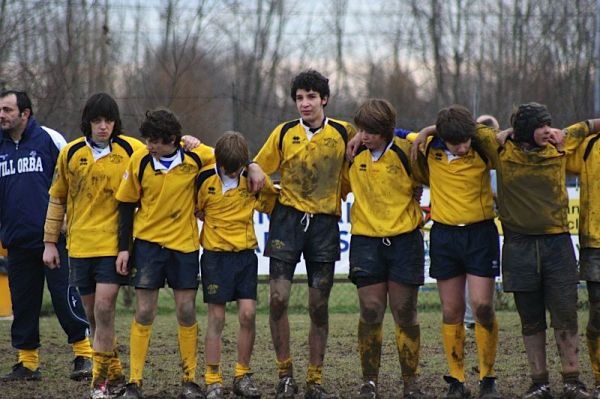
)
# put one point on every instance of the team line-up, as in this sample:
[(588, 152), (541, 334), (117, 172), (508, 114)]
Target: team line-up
[(132, 212)]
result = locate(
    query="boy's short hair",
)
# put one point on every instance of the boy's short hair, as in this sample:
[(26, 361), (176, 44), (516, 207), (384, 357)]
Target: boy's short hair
[(100, 105), (231, 151), (526, 119), (376, 116), (455, 124), (23, 100), (310, 80), (161, 124)]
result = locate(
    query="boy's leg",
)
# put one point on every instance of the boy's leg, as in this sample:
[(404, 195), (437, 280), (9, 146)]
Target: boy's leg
[(373, 302), (212, 343), (280, 286), (452, 296), (104, 309), (185, 305), (141, 329), (247, 333)]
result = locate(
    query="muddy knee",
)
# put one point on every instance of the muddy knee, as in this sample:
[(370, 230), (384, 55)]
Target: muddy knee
[(319, 314)]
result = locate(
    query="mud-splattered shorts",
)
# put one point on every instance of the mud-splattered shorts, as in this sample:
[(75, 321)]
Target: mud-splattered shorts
[(377, 260), (155, 264), (84, 273), (228, 276), (589, 264)]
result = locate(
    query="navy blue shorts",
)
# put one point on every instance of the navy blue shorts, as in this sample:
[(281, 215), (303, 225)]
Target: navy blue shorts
[(155, 264), (293, 233), (589, 264), (472, 249), (84, 273), (376, 260), (228, 276)]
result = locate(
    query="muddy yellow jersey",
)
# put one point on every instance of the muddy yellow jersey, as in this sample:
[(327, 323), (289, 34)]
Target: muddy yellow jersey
[(384, 204), (311, 170), (166, 198), (88, 187), (532, 192), (585, 161), (229, 216)]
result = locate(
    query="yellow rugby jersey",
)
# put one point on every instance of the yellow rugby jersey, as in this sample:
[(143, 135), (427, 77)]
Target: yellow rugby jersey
[(88, 188), (229, 216), (585, 161), (460, 188), (384, 205), (311, 170), (166, 199), (532, 192)]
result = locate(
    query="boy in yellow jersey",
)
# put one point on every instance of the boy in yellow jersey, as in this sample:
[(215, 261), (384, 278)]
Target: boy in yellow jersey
[(160, 178), (309, 154), (87, 176), (229, 265), (586, 163), (386, 249), (538, 259)]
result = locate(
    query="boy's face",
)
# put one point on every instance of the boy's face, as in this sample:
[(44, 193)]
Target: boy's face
[(157, 148), (460, 149), (374, 142), (233, 174), (543, 135), (102, 129), (310, 106)]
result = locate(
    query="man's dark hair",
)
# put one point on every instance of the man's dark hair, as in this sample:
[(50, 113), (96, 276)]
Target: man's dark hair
[(100, 105), (526, 119), (231, 151), (23, 100), (161, 124), (310, 80), (455, 124), (376, 116)]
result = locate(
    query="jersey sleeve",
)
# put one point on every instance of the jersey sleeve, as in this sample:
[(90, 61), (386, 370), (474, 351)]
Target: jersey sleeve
[(575, 159), (269, 156), (574, 136), (60, 186), (130, 188), (267, 197), (486, 140), (206, 154)]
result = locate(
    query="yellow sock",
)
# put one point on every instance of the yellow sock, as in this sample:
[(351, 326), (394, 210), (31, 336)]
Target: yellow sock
[(138, 348), (487, 342), (83, 348), (408, 342), (285, 368), (240, 370), (593, 342), (212, 374), (115, 368), (314, 374), (370, 337), (188, 350), (101, 362), (30, 358), (454, 346)]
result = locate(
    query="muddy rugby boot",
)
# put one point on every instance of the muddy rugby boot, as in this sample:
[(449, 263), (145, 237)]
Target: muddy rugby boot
[(82, 369), (413, 391), (214, 391), (286, 388), (117, 386), (100, 391), (244, 388), (190, 390), (538, 391), (132, 391), (22, 373), (316, 391), (456, 389), (575, 390), (487, 388), (367, 390)]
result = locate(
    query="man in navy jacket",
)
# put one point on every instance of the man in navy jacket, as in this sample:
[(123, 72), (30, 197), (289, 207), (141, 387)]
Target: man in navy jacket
[(28, 154)]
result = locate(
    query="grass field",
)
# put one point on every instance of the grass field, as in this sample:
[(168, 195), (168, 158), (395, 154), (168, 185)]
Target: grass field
[(342, 369)]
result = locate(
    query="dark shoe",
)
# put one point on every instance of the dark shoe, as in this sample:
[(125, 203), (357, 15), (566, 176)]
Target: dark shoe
[(316, 391), (368, 390), (456, 389), (575, 390), (22, 373), (214, 391), (596, 393), (487, 388), (538, 391), (191, 390), (244, 388), (82, 369), (132, 391), (286, 388), (117, 386), (413, 391)]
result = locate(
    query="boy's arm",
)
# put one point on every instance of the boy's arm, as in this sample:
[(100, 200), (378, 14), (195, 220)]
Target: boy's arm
[(54, 220), (267, 197), (126, 212), (269, 156), (419, 141)]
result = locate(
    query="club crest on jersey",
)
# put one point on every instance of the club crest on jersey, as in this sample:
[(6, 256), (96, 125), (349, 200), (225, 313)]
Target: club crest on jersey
[(393, 169), (330, 142)]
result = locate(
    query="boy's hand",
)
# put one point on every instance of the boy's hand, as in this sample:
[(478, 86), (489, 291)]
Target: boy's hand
[(121, 264), (503, 136), (352, 146), (51, 257), (421, 141), (256, 178), (190, 142)]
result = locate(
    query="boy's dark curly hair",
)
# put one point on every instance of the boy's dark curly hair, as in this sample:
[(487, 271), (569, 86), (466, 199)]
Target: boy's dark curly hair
[(310, 80), (161, 124)]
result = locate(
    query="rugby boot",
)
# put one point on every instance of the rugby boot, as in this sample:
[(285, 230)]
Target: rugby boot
[(190, 390), (244, 388), (487, 389), (316, 391), (538, 391), (413, 391), (100, 391), (82, 369), (117, 386), (596, 393), (575, 390), (286, 388), (368, 390), (456, 389), (132, 391), (22, 373), (215, 391)]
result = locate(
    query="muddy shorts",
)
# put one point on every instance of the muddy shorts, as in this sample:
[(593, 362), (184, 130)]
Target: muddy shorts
[(155, 264), (293, 233), (589, 264), (228, 276), (472, 249), (376, 260), (84, 273)]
